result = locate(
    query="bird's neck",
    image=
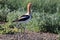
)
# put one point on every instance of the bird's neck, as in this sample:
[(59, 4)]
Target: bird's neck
[(28, 13), (28, 10)]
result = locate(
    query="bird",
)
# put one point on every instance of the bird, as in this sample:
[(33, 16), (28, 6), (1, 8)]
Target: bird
[(26, 17)]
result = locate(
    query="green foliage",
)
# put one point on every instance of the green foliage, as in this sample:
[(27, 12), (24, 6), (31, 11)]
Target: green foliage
[(40, 5), (3, 13), (45, 22), (46, 15), (50, 23), (37, 5)]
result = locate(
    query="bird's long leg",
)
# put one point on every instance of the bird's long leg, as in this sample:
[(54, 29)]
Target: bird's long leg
[(22, 28), (17, 26)]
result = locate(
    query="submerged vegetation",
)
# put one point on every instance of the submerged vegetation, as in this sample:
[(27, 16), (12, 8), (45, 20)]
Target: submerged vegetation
[(46, 15)]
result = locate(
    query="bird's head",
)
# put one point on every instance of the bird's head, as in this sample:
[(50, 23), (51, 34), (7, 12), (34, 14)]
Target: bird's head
[(29, 5)]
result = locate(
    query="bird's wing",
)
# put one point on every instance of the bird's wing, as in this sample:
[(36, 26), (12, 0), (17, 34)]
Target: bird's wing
[(22, 18)]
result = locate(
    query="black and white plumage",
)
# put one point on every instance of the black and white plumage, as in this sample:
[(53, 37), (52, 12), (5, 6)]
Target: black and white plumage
[(23, 18)]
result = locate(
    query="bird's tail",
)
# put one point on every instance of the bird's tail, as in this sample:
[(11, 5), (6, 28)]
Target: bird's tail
[(15, 21)]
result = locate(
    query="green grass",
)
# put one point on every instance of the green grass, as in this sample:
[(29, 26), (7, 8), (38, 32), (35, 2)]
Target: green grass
[(43, 22), (46, 15)]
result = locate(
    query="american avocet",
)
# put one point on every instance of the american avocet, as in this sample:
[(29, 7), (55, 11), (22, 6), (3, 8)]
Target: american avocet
[(26, 17)]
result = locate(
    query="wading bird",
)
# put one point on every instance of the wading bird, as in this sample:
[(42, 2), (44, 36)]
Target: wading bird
[(25, 18)]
